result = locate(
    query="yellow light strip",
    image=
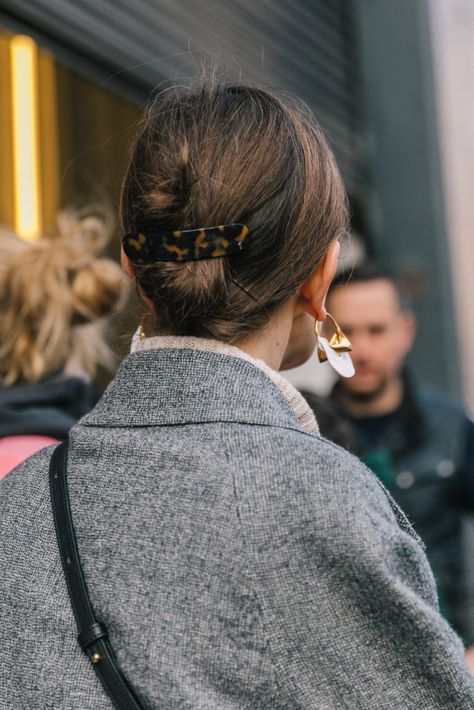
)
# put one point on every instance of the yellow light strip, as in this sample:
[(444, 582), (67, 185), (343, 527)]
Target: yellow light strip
[(25, 136)]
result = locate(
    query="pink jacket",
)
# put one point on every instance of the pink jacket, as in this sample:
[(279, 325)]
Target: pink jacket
[(15, 449)]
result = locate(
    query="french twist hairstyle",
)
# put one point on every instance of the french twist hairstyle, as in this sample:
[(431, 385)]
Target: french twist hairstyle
[(220, 153)]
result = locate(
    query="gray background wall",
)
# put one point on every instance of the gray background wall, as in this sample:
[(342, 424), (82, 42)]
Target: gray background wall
[(406, 209)]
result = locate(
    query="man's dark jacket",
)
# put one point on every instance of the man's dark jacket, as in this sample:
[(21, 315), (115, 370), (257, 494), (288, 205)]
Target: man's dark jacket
[(424, 454)]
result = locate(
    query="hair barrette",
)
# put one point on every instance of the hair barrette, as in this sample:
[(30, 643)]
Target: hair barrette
[(185, 244)]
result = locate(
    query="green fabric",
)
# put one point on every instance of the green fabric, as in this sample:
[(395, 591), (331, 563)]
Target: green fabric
[(381, 463)]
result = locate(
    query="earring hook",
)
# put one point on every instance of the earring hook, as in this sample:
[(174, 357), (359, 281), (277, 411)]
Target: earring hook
[(335, 350)]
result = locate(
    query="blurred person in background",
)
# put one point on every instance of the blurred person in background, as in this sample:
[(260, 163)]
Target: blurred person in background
[(418, 443), (56, 296), (331, 424)]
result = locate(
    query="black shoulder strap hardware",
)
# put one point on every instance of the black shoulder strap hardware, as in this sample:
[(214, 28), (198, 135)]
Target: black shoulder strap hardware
[(92, 635)]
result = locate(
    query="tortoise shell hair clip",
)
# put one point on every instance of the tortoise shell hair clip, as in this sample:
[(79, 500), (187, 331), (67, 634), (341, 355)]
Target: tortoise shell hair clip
[(185, 244)]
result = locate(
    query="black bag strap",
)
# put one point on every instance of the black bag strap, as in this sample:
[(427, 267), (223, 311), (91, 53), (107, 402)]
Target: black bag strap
[(92, 635)]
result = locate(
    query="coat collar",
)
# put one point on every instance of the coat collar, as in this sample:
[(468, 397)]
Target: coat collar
[(176, 380)]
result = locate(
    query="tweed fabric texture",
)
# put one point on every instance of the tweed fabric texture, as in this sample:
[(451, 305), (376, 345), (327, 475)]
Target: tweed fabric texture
[(295, 399), (238, 561)]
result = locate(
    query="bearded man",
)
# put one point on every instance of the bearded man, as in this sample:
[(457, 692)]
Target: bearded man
[(420, 444)]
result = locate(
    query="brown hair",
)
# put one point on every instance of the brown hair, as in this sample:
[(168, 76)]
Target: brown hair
[(223, 153), (54, 297)]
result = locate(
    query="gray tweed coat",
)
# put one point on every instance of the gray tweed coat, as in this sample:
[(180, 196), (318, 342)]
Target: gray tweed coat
[(239, 560)]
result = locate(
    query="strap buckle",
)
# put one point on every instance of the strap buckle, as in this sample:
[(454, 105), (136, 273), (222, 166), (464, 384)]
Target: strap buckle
[(89, 636)]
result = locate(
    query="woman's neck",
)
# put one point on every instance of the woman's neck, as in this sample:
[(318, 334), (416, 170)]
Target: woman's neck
[(270, 344)]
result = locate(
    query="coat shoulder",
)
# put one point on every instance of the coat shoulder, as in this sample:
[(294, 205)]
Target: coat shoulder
[(25, 490), (309, 474)]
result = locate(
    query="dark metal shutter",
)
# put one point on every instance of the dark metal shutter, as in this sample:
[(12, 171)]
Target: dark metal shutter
[(304, 46)]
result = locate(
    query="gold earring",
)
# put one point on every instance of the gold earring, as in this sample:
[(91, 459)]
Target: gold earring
[(338, 342), (141, 330)]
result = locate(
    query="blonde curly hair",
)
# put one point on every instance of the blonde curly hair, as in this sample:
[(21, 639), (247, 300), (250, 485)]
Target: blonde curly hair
[(55, 298)]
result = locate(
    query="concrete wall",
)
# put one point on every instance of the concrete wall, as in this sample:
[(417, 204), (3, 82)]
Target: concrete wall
[(452, 40), (408, 208)]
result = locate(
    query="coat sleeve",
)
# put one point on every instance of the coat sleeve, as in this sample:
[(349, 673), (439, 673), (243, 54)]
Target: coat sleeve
[(347, 594)]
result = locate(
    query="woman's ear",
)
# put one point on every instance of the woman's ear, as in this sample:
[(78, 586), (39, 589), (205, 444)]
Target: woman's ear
[(128, 270), (313, 292), (126, 266)]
